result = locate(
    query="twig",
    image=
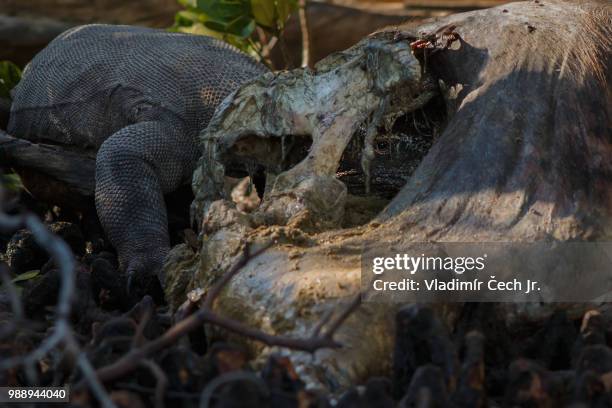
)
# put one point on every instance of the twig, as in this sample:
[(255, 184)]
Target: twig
[(161, 382), (305, 34), (131, 360), (267, 50), (89, 373), (205, 314), (147, 304), (63, 257), (60, 251), (324, 320), (335, 325), (310, 344), (266, 46)]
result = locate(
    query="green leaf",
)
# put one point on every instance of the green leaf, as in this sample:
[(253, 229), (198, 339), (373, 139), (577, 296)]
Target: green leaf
[(10, 74), (11, 182), (217, 26), (273, 14), (264, 12), (187, 3), (225, 11), (26, 276), (284, 9), (185, 18), (242, 27), (234, 21), (197, 29)]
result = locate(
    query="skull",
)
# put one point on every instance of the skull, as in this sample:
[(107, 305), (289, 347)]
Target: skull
[(297, 124)]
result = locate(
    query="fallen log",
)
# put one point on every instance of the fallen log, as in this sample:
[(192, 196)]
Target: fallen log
[(56, 174)]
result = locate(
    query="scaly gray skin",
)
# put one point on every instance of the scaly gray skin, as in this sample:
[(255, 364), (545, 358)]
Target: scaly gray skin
[(139, 97)]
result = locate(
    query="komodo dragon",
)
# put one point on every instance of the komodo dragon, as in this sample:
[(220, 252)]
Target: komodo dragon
[(137, 98)]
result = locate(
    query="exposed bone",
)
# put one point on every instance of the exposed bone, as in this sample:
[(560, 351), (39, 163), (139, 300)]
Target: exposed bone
[(327, 104)]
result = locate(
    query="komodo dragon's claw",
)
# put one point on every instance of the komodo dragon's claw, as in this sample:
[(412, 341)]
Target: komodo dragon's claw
[(141, 283)]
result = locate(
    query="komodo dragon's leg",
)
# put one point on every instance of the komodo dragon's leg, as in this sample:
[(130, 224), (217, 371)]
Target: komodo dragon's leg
[(134, 168)]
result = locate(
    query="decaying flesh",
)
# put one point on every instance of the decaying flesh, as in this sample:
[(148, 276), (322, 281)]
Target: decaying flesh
[(271, 122)]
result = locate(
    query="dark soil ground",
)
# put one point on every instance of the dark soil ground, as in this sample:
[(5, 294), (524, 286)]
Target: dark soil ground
[(484, 361)]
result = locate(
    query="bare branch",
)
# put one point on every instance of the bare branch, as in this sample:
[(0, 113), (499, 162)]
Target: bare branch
[(324, 320), (62, 255), (161, 382), (305, 34), (193, 320), (89, 373), (146, 304), (310, 344), (351, 307)]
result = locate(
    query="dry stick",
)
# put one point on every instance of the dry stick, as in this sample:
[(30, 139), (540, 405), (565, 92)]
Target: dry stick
[(187, 308), (62, 256), (305, 34), (335, 325), (310, 344), (324, 320), (132, 359), (89, 373), (266, 46), (267, 49), (161, 382), (144, 320)]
